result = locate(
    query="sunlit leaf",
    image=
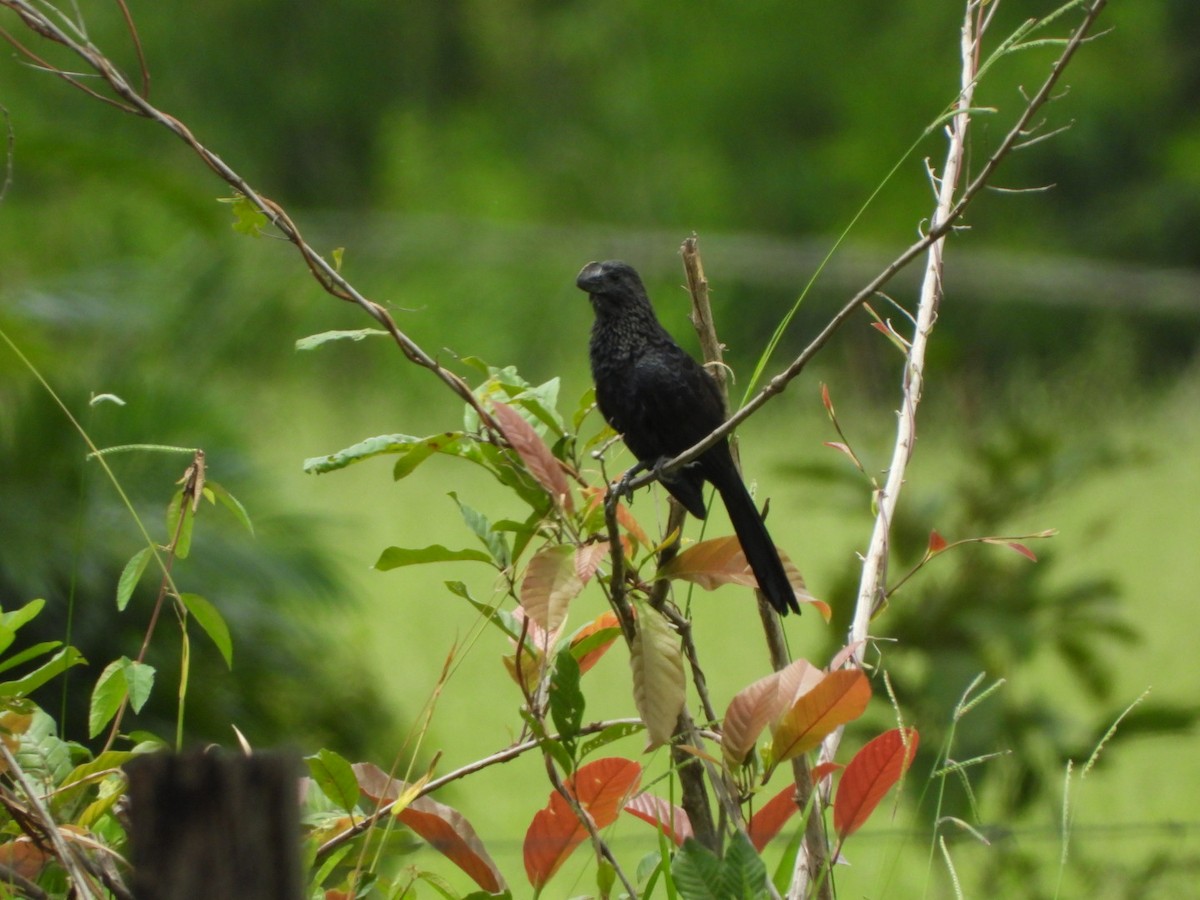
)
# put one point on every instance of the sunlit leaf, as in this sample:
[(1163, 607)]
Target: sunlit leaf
[(659, 685), (56, 665), (15, 619), (870, 775), (840, 697)]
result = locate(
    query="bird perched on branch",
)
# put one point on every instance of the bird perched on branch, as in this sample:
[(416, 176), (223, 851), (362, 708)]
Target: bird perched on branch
[(662, 402)]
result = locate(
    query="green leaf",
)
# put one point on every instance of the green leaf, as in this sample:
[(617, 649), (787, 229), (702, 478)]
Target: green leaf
[(501, 618), (566, 698), (335, 776), (107, 696), (365, 449), (450, 442), (616, 732), (210, 620), (480, 526), (181, 534), (696, 871), (18, 617), (316, 340), (131, 575), (28, 653), (232, 504), (56, 665), (247, 218), (139, 678), (743, 873), (7, 636), (396, 557)]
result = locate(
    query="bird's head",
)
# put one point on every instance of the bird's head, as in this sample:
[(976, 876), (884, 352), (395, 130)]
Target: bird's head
[(612, 284)]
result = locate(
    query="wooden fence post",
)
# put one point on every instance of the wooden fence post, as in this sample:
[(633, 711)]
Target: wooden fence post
[(214, 826)]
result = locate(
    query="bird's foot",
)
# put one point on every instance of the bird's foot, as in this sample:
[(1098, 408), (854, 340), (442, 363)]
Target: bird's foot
[(620, 487)]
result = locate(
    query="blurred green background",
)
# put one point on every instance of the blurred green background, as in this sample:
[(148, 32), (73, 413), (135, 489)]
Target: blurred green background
[(470, 157)]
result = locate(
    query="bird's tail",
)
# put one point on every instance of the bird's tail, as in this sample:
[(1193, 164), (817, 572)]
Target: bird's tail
[(757, 544)]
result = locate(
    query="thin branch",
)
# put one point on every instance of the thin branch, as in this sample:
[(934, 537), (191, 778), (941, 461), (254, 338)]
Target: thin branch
[(326, 274), (508, 754), (940, 229)]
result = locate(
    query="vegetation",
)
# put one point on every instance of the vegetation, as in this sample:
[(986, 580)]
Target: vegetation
[(147, 300)]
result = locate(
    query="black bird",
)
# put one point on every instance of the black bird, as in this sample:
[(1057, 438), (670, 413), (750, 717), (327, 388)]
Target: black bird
[(662, 401)]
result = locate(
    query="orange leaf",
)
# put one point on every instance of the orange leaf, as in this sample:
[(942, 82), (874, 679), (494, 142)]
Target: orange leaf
[(601, 788), (448, 832), (767, 822), (872, 772), (824, 770), (23, 856), (550, 583), (533, 451), (603, 624), (757, 705), (603, 785), (839, 698), (670, 819), (711, 564), (553, 833), (443, 827), (719, 561)]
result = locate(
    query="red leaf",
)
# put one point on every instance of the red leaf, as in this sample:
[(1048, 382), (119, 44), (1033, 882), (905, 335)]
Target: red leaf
[(670, 819), (533, 451), (937, 543), (553, 833), (443, 827), (870, 775), (1023, 550), (824, 770), (601, 788), (826, 401), (767, 822)]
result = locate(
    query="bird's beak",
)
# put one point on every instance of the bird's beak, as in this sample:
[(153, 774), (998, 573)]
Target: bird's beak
[(590, 277)]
